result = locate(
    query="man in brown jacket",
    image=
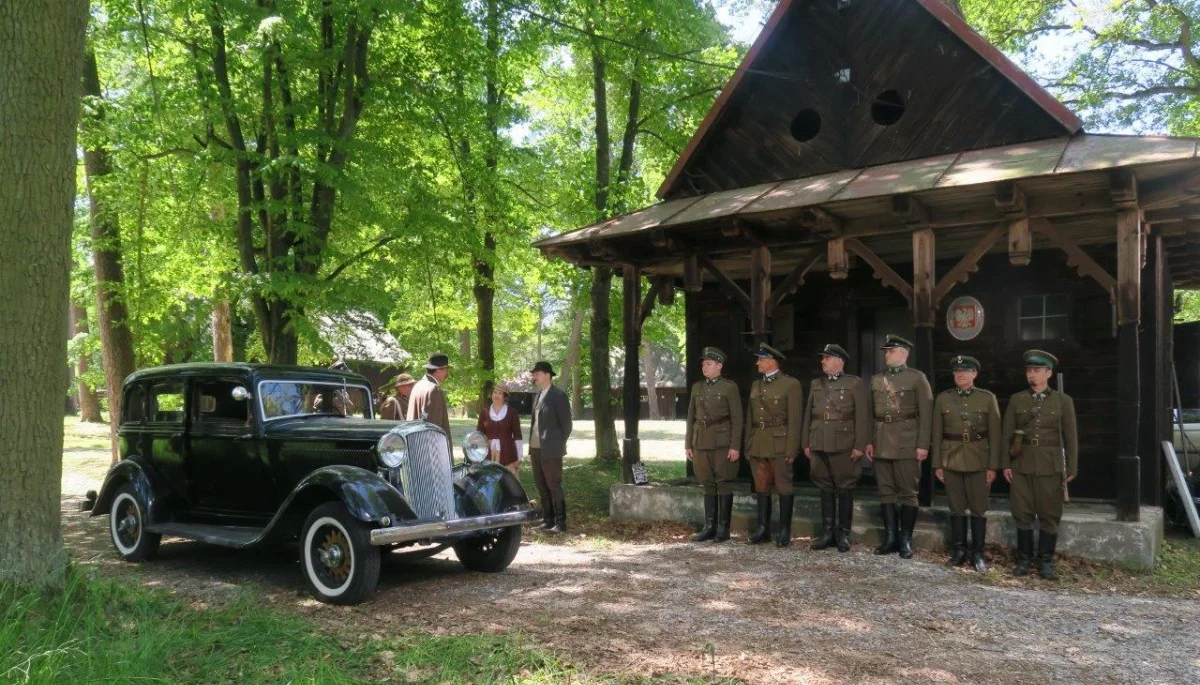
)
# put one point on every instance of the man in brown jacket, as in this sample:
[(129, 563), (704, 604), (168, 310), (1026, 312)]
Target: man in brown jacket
[(710, 441), (395, 408), (902, 405), (773, 441), (428, 400), (835, 434)]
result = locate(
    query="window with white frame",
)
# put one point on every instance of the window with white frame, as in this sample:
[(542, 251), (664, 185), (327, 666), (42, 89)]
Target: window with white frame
[(1043, 317)]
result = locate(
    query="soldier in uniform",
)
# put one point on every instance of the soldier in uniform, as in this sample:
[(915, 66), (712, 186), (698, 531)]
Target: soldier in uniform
[(1043, 456), (714, 426), (966, 454), (835, 435), (902, 408), (773, 441)]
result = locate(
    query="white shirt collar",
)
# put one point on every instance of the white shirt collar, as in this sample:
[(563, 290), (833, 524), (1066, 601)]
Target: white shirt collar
[(497, 417), (772, 374)]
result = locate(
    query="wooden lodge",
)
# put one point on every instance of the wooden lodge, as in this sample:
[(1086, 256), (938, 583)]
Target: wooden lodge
[(875, 166)]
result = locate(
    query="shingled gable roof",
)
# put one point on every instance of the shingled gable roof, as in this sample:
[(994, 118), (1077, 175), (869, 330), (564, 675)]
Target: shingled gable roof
[(960, 93)]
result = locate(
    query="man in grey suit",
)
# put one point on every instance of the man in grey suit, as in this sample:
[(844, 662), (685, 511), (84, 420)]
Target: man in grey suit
[(548, 433)]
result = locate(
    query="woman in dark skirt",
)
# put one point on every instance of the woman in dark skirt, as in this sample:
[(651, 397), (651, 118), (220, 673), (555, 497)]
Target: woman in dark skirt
[(502, 426)]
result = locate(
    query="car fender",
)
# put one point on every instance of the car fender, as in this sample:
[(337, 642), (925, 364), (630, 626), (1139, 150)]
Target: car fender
[(366, 495), (146, 482), (487, 488)]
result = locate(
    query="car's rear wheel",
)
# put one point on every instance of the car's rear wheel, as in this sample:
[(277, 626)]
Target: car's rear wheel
[(489, 553), (336, 556), (127, 526)]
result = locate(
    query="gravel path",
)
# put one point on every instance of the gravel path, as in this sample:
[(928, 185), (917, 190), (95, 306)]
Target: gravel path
[(757, 614)]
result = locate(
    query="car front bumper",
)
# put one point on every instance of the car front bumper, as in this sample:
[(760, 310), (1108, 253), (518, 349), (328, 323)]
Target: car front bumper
[(439, 529)]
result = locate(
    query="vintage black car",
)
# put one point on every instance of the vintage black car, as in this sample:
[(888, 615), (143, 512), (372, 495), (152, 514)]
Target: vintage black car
[(240, 455)]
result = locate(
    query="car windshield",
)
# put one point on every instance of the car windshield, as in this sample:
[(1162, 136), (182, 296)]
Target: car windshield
[(307, 398)]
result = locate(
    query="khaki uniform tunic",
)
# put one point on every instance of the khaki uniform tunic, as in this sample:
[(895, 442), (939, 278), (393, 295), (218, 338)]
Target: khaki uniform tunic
[(902, 409), (714, 425), (773, 431), (966, 443), (836, 421), (1049, 455)]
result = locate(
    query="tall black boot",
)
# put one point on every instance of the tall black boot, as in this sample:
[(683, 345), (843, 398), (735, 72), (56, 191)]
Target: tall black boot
[(784, 537), (724, 513), (978, 539), (958, 540), (845, 514), (1024, 552), (763, 532), (908, 520), (710, 520), (547, 515), (826, 540), (560, 517), (891, 541), (1046, 544)]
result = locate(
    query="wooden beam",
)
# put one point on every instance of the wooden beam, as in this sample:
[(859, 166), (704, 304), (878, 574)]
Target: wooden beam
[(837, 260), (820, 222), (760, 290), (1123, 186), (924, 276), (794, 280), (911, 211), (1020, 242), (883, 272), (967, 265), (647, 305), (692, 281), (666, 290), (1130, 255), (731, 289), (1077, 258), (1010, 199), (1188, 212), (1171, 191)]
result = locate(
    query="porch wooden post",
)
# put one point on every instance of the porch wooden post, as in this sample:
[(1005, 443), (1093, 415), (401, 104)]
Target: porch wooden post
[(631, 386), (1129, 305), (924, 279), (1156, 385), (760, 292)]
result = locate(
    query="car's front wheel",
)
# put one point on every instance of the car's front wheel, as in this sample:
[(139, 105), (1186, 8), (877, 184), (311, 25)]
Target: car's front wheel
[(336, 556), (127, 526), (489, 553)]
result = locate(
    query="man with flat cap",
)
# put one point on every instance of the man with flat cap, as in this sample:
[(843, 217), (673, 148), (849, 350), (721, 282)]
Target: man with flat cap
[(834, 435), (711, 442), (966, 454), (1042, 457), (428, 400), (773, 441), (549, 429), (902, 408), (395, 407)]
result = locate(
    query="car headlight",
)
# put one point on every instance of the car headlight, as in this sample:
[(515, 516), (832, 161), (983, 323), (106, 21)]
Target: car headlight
[(475, 447), (393, 450)]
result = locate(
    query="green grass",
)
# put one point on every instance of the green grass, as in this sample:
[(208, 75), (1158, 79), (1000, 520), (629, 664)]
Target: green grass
[(100, 630), (1178, 566)]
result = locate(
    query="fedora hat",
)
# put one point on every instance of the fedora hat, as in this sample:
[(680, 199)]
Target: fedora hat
[(543, 366), (437, 360)]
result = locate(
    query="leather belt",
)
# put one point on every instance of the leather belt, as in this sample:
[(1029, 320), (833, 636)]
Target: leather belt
[(1034, 442), (705, 423), (888, 418), (832, 416), (964, 436), (773, 423)]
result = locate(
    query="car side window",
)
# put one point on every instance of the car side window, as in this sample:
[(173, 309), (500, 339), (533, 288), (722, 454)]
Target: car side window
[(214, 404), (134, 410), (165, 403)]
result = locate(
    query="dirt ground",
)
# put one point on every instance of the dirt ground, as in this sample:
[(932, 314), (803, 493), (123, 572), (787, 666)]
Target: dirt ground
[(757, 614)]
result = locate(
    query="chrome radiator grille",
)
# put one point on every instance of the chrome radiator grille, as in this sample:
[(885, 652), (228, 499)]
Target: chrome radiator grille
[(425, 477)]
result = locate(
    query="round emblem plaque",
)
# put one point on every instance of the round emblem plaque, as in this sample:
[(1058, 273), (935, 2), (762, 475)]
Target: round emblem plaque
[(964, 318)]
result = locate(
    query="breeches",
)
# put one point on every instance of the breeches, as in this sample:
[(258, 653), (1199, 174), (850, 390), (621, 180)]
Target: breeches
[(898, 480), (714, 471), (771, 475)]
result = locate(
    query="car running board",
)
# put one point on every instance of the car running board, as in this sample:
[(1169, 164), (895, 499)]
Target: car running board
[(226, 536)]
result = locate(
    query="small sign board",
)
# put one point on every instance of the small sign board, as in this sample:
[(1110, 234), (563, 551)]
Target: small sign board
[(964, 318)]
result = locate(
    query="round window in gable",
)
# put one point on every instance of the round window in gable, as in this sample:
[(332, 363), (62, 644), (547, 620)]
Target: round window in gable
[(887, 108), (805, 125)]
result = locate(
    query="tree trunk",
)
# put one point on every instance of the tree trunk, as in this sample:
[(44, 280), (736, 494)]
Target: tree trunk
[(570, 370), (89, 400), (650, 370), (222, 331), (40, 59), (954, 5), (115, 338), (602, 406), (485, 272)]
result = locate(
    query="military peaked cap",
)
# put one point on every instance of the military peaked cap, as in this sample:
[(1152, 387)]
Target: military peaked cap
[(962, 361), (894, 341), (765, 350), (1040, 358), (714, 354), (832, 350)]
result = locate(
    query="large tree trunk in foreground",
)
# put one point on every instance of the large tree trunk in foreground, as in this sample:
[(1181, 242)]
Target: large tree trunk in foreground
[(89, 400), (602, 405), (41, 45), (650, 370), (570, 370), (115, 339), (222, 331)]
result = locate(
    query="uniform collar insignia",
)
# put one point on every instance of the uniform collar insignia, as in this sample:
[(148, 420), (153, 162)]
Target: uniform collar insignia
[(771, 376), (896, 369), (965, 393), (712, 381), (834, 376)]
